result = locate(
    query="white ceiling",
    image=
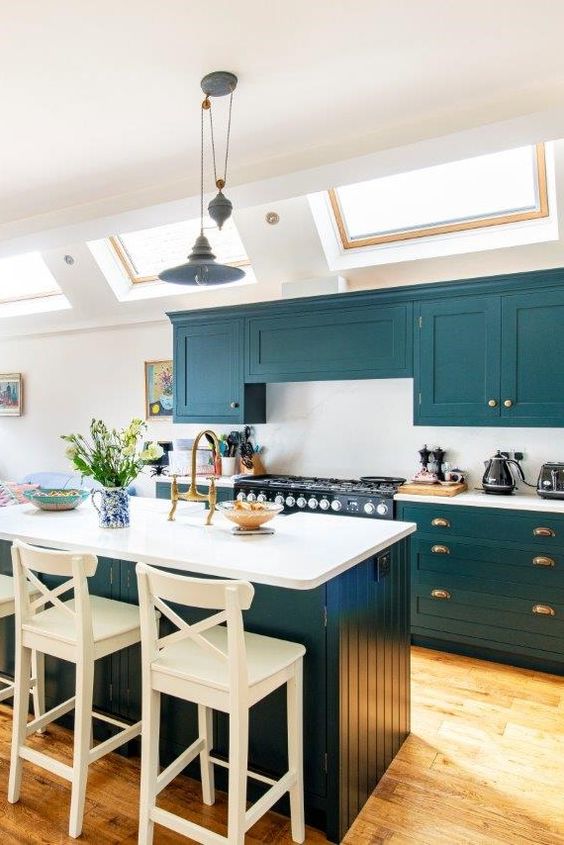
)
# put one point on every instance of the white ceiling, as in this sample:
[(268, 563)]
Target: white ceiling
[(101, 99)]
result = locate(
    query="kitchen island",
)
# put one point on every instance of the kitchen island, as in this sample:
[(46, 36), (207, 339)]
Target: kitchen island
[(340, 586)]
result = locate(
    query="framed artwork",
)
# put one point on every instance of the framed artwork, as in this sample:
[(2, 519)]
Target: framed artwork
[(11, 395), (158, 389)]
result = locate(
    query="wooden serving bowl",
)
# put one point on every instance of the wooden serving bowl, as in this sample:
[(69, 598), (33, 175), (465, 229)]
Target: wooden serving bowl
[(249, 515)]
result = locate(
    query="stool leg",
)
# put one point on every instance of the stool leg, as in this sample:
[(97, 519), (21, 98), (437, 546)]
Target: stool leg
[(38, 672), (82, 726), (238, 754), (205, 732), (151, 709), (21, 704), (295, 751)]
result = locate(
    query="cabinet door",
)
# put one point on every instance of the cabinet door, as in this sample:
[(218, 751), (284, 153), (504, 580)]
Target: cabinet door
[(338, 343), (532, 372), (458, 362), (208, 372)]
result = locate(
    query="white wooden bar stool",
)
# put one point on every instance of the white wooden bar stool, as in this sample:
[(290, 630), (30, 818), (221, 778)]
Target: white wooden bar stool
[(7, 608), (80, 630), (222, 668)]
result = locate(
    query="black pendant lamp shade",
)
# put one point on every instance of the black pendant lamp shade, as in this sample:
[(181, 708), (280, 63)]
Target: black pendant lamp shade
[(201, 268)]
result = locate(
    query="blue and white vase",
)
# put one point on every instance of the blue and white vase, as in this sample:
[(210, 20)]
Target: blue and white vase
[(113, 510)]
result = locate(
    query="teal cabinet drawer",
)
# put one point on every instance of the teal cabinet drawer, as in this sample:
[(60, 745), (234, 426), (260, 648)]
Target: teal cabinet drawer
[(373, 341), (526, 528)]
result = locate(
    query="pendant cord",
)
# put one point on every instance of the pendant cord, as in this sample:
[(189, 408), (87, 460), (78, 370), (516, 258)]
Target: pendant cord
[(202, 171), (224, 180)]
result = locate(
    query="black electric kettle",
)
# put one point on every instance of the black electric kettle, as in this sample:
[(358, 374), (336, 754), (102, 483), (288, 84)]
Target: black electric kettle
[(498, 477)]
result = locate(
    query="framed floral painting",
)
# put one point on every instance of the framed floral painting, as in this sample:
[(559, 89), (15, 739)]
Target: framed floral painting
[(158, 389), (11, 395)]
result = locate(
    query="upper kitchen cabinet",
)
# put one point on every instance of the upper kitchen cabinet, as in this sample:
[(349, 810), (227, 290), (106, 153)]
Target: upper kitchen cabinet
[(532, 375), (340, 341), (457, 361), (208, 374)]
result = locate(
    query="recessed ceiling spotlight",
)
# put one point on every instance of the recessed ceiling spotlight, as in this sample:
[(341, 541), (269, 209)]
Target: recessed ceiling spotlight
[(272, 218), (69, 260)]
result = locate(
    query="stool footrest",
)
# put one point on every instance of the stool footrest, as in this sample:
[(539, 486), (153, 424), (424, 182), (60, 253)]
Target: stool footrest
[(186, 828), (270, 797), (254, 775), (44, 761), (173, 770), (110, 720), (50, 716), (113, 742)]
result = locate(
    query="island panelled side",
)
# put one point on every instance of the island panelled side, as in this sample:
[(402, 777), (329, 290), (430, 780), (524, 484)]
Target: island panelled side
[(356, 680)]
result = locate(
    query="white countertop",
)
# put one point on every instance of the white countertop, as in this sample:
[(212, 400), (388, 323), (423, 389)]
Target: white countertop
[(475, 498), (307, 549)]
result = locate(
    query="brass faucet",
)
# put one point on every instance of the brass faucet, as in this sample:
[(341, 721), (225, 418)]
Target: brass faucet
[(192, 495)]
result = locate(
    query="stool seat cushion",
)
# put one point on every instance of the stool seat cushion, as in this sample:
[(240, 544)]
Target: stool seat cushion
[(187, 660), (110, 618)]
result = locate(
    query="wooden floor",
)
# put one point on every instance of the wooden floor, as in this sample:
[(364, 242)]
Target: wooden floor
[(484, 765)]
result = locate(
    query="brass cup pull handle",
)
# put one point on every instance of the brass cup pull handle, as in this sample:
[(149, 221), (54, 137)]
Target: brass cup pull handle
[(492, 403), (544, 532), (233, 404), (440, 550), (541, 560), (543, 610), (440, 522), (440, 594), (508, 403)]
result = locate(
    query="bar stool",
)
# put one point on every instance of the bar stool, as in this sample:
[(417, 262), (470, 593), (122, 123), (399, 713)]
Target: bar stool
[(7, 608), (218, 667), (80, 630)]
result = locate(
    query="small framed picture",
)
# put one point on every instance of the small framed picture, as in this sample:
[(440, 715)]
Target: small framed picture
[(158, 389), (11, 395)]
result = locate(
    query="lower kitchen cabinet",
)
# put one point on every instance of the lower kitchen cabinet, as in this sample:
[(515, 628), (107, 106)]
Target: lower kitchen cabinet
[(489, 583), (162, 491)]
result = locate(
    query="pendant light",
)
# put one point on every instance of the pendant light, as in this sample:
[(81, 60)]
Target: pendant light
[(201, 267)]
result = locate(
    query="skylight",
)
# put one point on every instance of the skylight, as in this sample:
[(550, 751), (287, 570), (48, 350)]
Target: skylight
[(145, 253), (487, 190), (24, 277)]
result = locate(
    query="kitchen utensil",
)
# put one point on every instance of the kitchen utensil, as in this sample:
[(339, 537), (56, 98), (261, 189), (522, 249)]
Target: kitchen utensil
[(498, 477), (247, 517), (550, 484)]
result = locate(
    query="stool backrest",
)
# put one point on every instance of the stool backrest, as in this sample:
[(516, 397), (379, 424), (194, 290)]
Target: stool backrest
[(229, 598), (29, 561)]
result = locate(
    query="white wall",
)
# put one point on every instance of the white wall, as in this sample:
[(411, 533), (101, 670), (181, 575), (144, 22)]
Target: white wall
[(328, 428)]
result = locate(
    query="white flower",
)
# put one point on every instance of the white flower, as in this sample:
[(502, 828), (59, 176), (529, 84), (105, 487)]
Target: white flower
[(129, 450), (153, 452), (70, 452)]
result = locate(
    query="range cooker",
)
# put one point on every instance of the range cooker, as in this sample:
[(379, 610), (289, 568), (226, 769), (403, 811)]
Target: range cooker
[(371, 497)]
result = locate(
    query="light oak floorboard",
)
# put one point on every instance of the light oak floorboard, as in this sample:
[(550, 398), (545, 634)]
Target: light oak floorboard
[(484, 765)]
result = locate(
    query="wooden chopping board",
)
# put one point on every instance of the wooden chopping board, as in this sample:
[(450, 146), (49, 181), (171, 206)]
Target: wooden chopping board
[(433, 489)]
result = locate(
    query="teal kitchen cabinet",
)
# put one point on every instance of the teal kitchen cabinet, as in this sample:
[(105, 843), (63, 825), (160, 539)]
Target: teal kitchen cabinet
[(321, 343), (457, 361), (489, 583), (208, 375), (532, 372), (162, 491)]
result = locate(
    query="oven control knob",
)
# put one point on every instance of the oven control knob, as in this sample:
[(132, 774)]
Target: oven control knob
[(301, 502), (251, 497), (370, 508), (336, 505), (261, 497), (324, 504), (290, 501), (279, 499), (382, 508), (312, 503), (241, 497)]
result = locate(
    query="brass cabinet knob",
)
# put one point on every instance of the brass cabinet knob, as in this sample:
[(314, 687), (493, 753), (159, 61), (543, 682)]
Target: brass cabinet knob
[(508, 403), (541, 560), (233, 404), (440, 594), (492, 403), (543, 610), (544, 532), (440, 522), (440, 550)]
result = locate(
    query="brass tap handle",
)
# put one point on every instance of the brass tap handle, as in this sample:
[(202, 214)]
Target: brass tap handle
[(544, 532), (440, 594), (440, 550), (541, 560), (543, 610), (173, 498), (440, 522)]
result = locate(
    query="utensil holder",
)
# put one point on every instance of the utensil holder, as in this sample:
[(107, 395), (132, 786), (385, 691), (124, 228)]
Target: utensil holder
[(229, 466), (257, 467)]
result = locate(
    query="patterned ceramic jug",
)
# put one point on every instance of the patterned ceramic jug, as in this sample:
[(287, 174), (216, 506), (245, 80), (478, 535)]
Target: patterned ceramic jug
[(113, 511)]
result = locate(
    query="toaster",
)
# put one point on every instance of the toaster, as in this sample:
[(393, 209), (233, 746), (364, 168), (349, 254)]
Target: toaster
[(551, 481)]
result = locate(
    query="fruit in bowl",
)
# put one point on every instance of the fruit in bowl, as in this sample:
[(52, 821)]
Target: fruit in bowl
[(249, 515), (56, 499)]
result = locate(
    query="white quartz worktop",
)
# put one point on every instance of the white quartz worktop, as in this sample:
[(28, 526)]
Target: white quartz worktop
[(475, 498), (305, 551)]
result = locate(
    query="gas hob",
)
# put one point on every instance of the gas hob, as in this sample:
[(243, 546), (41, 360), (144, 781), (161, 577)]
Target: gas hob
[(371, 497)]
